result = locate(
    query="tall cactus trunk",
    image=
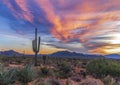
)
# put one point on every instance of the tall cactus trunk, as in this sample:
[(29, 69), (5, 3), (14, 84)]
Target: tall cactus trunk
[(35, 60), (36, 47)]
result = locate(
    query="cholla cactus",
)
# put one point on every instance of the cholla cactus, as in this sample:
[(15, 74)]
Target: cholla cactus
[(7, 76), (26, 74), (36, 46)]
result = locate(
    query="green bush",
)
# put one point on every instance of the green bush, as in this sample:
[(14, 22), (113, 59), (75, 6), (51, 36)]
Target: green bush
[(103, 67), (7, 76), (44, 72), (63, 70), (26, 74)]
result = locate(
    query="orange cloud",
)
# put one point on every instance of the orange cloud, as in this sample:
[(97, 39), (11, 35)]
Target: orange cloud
[(107, 49), (78, 19)]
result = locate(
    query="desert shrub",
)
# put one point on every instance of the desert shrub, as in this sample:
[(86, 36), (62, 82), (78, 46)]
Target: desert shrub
[(63, 70), (26, 74), (44, 71), (7, 76), (103, 67), (6, 64), (83, 64), (79, 63), (108, 80), (1, 57), (51, 82)]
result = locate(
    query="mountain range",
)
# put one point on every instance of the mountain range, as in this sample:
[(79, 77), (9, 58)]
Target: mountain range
[(67, 54), (74, 55), (113, 56), (60, 54)]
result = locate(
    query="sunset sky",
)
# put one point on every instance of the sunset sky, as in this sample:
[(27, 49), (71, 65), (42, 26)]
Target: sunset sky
[(83, 26)]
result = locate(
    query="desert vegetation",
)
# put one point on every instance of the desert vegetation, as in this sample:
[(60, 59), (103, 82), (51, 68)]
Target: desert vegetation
[(100, 68), (67, 71)]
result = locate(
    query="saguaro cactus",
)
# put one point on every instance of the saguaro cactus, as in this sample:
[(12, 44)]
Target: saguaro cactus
[(36, 46)]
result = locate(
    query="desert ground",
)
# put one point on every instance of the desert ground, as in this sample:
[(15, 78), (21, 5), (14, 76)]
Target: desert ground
[(58, 71)]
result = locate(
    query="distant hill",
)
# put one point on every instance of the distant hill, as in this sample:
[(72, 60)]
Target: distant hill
[(66, 54), (113, 56), (10, 53), (74, 55)]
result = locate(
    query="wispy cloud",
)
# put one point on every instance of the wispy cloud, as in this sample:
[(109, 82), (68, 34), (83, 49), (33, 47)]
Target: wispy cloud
[(94, 25)]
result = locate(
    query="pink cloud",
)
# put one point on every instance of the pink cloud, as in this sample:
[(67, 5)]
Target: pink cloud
[(89, 17)]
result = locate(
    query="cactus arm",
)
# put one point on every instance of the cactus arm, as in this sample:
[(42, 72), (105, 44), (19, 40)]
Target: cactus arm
[(38, 48), (33, 45)]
